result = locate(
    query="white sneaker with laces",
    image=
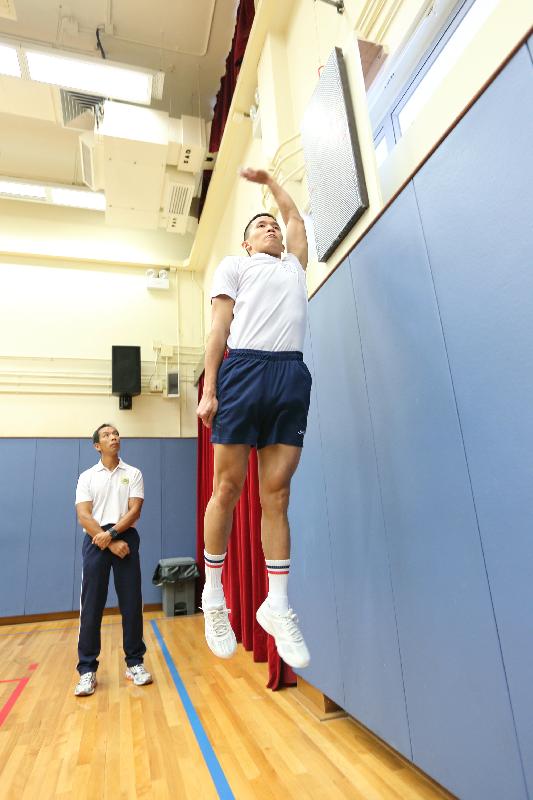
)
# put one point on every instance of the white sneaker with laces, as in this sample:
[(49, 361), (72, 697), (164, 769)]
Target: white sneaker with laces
[(139, 675), (86, 684), (289, 640), (218, 631)]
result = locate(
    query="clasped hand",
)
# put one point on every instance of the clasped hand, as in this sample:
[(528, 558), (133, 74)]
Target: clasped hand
[(118, 547)]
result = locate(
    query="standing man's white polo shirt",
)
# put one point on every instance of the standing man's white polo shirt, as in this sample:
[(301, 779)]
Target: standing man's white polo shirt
[(109, 490)]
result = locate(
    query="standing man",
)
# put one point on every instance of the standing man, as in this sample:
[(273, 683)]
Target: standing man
[(109, 498), (258, 397)]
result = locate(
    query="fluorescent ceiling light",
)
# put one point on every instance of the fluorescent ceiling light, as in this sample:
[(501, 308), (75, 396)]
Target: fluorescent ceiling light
[(90, 75), (9, 62), (53, 195), (77, 198), (28, 191)]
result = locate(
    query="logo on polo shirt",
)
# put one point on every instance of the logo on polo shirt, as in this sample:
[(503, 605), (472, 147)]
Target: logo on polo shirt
[(125, 481)]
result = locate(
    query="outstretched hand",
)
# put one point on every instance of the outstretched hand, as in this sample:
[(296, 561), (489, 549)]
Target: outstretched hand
[(255, 175)]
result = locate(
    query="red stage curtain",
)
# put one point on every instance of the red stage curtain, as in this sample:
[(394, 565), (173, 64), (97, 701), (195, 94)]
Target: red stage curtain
[(245, 18), (243, 24), (244, 574)]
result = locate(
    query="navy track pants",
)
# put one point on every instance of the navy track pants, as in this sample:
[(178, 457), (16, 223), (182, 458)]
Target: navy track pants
[(97, 564)]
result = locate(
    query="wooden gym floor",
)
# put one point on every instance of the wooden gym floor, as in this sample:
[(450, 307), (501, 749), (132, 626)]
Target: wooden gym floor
[(139, 742)]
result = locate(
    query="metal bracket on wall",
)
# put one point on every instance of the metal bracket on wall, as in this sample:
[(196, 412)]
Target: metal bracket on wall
[(339, 5)]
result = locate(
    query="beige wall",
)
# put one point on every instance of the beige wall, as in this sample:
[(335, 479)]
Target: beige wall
[(58, 322)]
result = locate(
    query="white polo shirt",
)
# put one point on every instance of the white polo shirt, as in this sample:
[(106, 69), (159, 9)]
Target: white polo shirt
[(109, 490), (270, 294)]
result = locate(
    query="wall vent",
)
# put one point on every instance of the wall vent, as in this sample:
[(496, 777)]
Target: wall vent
[(81, 111), (179, 199), (91, 162), (179, 191)]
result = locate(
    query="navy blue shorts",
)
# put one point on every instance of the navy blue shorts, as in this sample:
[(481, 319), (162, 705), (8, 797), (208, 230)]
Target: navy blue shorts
[(263, 399)]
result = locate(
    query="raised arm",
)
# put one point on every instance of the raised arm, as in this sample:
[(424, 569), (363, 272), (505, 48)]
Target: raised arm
[(296, 235), (222, 314)]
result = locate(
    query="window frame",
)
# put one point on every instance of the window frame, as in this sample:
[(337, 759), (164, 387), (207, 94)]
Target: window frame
[(426, 62), (389, 122)]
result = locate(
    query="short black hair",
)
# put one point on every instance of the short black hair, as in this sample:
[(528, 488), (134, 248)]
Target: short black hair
[(262, 214), (96, 434)]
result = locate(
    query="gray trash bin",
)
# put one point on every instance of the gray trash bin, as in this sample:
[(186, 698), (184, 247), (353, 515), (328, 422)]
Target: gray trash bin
[(177, 577)]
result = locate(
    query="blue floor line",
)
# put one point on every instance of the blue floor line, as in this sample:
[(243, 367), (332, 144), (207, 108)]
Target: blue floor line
[(213, 765)]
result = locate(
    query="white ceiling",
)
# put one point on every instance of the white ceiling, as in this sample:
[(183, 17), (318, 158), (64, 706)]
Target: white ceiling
[(187, 39)]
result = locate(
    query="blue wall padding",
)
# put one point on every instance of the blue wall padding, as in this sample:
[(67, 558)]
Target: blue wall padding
[(53, 528), (178, 496), (420, 437), (40, 540), (448, 640), (367, 621), (481, 257), (17, 466), (311, 564)]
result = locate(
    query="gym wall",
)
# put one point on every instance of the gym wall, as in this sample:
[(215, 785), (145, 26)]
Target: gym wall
[(411, 511)]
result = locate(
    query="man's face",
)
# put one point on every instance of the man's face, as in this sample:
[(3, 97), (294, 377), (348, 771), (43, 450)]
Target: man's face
[(264, 236), (109, 443)]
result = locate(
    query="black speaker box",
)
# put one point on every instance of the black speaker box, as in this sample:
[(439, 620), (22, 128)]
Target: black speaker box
[(126, 369)]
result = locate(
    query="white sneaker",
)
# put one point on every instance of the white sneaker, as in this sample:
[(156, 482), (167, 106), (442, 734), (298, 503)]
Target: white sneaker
[(289, 640), (86, 684), (139, 675), (218, 631)]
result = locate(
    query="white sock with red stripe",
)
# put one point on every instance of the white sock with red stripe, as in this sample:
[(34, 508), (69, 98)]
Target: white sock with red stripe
[(213, 594), (278, 582)]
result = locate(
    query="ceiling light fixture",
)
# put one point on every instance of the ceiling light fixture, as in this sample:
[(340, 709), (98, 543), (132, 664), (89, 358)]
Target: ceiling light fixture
[(9, 62), (14, 189), (89, 75), (77, 198), (18, 190)]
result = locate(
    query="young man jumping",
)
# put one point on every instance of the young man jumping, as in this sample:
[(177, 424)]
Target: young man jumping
[(257, 397)]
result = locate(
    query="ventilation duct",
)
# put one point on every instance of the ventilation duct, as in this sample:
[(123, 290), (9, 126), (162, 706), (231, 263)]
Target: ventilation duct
[(148, 164), (80, 111)]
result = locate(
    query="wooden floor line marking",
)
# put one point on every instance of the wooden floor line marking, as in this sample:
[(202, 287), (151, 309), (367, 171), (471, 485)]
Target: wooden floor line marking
[(212, 762), (15, 694)]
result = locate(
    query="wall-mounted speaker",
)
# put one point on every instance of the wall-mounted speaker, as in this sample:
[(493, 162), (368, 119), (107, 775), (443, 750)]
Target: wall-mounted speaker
[(126, 370)]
